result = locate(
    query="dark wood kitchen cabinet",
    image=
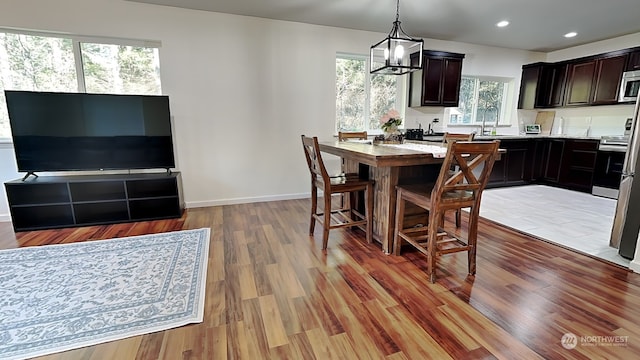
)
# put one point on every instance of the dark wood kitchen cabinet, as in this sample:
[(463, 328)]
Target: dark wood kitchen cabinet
[(579, 82), (553, 160), (438, 83), (633, 63), (542, 85), (553, 82), (529, 86), (595, 81), (579, 162), (566, 163), (513, 168), (607, 78)]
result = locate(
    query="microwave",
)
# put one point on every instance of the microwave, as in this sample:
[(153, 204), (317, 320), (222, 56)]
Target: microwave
[(629, 86)]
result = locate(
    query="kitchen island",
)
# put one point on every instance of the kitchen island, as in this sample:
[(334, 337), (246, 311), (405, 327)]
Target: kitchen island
[(388, 166)]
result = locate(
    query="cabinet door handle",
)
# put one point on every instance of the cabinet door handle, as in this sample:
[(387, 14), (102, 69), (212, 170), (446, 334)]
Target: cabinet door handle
[(606, 171)]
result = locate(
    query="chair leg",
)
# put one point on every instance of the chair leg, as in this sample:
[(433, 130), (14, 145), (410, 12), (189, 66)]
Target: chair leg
[(472, 239), (397, 240), (314, 208), (431, 245), (369, 213), (327, 220), (350, 205), (458, 218)]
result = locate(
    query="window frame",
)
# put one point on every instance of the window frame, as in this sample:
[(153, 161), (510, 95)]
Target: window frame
[(505, 110), (76, 43), (398, 103)]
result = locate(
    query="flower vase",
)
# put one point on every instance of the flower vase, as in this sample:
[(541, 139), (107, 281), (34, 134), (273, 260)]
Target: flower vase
[(391, 133)]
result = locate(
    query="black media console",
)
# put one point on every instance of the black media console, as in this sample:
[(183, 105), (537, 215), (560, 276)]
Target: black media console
[(47, 202)]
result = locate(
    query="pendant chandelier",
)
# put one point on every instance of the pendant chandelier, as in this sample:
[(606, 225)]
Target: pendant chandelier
[(392, 56)]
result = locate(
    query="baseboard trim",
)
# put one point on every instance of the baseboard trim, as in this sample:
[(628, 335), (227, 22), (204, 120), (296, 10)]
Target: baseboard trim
[(5, 218), (246, 200), (633, 265)]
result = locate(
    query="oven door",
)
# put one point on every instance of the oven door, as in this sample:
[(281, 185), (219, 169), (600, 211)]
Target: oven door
[(608, 172)]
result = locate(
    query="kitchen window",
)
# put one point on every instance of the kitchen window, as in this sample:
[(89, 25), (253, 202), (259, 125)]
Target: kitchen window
[(362, 98), (482, 99), (61, 63)]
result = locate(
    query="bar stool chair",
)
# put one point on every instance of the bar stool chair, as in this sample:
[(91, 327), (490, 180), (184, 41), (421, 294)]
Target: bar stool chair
[(446, 139), (346, 136), (449, 137), (451, 191), (347, 184), (357, 135)]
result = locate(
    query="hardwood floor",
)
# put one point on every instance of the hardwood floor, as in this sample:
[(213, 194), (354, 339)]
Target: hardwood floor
[(273, 294)]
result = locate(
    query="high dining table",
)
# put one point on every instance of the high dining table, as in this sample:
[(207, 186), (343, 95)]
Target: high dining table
[(388, 166)]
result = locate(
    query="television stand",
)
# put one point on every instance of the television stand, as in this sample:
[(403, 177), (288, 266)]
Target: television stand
[(49, 202), (27, 175)]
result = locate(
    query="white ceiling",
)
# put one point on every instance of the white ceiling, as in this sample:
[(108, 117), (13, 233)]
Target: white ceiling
[(537, 25)]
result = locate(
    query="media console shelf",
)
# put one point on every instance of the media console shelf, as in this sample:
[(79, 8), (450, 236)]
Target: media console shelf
[(47, 202)]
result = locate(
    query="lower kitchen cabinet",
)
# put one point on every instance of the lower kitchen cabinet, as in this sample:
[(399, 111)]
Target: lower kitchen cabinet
[(579, 164), (567, 163), (513, 168), (553, 161)]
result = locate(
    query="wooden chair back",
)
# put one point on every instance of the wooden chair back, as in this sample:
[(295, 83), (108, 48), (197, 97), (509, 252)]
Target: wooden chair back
[(462, 187), (358, 135), (314, 159), (449, 137)]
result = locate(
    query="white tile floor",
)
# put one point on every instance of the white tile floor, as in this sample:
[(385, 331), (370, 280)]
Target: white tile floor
[(574, 219)]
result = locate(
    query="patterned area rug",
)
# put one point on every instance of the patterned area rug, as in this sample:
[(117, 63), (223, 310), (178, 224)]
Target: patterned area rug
[(60, 297)]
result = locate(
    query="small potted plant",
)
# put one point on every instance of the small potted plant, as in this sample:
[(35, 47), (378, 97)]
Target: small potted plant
[(389, 123)]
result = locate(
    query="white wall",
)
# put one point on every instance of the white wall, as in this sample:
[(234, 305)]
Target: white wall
[(599, 47)]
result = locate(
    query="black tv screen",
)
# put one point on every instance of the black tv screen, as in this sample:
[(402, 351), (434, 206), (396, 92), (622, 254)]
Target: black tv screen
[(79, 131)]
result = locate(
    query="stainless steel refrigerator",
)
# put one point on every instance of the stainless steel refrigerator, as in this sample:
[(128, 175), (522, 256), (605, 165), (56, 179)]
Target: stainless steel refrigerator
[(626, 223)]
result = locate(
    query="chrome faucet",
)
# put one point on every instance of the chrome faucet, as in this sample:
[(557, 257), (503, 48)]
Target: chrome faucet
[(484, 115)]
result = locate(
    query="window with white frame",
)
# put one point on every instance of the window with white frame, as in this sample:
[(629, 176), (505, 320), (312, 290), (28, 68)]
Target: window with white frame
[(362, 98), (482, 100), (50, 62)]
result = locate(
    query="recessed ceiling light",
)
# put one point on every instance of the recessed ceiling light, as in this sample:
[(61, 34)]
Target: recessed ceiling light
[(502, 23), (570, 34)]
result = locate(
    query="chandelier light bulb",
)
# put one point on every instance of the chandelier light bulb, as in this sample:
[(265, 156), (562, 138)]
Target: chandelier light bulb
[(399, 53)]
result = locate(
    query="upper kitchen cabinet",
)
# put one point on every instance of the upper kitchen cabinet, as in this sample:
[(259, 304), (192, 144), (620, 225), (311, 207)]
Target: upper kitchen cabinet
[(529, 86), (554, 79), (438, 83), (542, 85), (634, 61), (579, 83), (595, 81)]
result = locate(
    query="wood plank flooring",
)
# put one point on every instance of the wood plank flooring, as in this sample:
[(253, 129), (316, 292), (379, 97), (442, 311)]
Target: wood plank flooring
[(273, 294)]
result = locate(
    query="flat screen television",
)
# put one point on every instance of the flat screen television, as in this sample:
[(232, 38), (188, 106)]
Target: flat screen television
[(78, 131)]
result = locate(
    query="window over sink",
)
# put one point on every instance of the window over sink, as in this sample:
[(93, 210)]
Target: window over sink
[(362, 98), (482, 99)]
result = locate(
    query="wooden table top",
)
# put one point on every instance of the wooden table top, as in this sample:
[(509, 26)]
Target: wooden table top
[(378, 155), (381, 155)]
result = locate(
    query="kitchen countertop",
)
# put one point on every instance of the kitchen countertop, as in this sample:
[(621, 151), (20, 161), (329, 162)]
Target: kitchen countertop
[(438, 138)]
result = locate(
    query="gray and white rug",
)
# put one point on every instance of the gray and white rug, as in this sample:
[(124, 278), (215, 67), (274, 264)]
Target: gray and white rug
[(59, 297)]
